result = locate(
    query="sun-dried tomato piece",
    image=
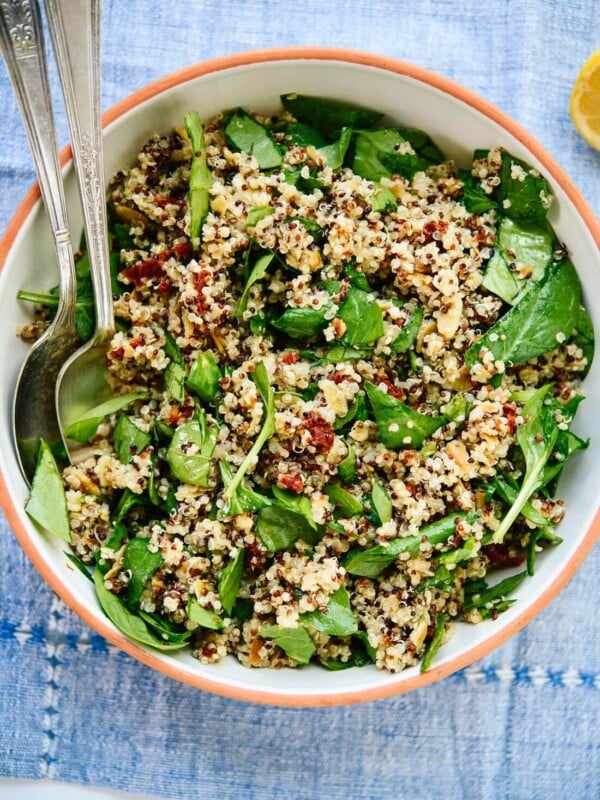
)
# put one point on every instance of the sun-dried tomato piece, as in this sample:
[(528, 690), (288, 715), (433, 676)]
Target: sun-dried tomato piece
[(321, 432)]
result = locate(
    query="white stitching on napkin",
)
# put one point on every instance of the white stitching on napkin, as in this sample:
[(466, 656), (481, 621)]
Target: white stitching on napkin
[(56, 641), (54, 647)]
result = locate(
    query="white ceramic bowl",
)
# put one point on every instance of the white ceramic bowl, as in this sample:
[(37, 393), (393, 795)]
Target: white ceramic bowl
[(459, 121)]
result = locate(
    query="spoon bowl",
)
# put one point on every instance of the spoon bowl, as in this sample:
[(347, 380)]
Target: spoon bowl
[(83, 381)]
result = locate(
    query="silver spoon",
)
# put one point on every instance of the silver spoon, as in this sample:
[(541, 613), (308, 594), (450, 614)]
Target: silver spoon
[(75, 30), (34, 408)]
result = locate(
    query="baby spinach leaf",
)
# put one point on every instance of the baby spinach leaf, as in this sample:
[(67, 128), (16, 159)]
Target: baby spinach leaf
[(165, 629), (536, 438), (519, 243), (362, 316), (200, 177), (280, 528), (523, 193), (459, 554), (508, 494), (295, 642), (482, 597), (174, 381), (128, 439), (47, 504), (141, 563), (260, 376), (370, 563), (132, 625), (543, 318), (204, 377), (362, 653), (191, 450), (256, 214), (347, 467), (382, 502), (337, 619), (348, 504), (408, 335), (258, 273), (357, 277), (303, 323), (422, 144), (435, 643), (230, 580), (203, 616), (328, 117), (300, 134), (384, 200), (335, 153), (534, 537), (243, 499), (398, 424), (84, 429), (458, 408), (172, 350), (341, 352), (377, 155), (295, 502), (585, 337), (474, 198), (246, 134)]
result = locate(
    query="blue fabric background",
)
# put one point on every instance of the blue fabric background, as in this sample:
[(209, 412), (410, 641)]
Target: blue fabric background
[(523, 723)]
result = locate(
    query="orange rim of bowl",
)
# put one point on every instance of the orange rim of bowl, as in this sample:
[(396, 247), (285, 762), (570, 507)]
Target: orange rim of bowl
[(394, 687)]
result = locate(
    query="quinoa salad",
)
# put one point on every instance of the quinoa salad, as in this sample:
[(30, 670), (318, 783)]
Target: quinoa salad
[(345, 372)]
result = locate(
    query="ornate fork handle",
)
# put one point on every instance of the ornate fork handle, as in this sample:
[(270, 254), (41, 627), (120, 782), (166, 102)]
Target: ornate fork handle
[(22, 42), (75, 31)]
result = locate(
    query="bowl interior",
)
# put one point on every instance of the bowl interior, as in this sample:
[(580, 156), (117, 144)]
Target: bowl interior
[(458, 127)]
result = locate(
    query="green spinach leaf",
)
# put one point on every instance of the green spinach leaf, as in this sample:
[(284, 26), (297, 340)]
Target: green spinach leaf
[(435, 643), (328, 117), (382, 502), (128, 439), (362, 317), (537, 438), (203, 616), (191, 450), (200, 178), (398, 424), (258, 273), (246, 134), (132, 625), (542, 319), (280, 528), (260, 377), (337, 619), (141, 563), (348, 504), (204, 377), (230, 581), (295, 642), (519, 243), (523, 193), (47, 504), (370, 563), (84, 429)]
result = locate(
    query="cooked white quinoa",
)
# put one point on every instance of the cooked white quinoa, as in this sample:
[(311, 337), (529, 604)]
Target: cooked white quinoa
[(428, 252)]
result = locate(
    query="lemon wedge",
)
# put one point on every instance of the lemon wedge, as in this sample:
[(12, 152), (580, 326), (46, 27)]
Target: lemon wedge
[(585, 101)]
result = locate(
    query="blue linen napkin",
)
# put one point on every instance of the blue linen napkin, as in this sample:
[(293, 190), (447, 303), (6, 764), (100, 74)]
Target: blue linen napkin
[(520, 724)]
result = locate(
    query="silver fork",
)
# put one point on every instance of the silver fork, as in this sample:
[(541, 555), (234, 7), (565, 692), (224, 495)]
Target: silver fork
[(34, 408), (75, 30)]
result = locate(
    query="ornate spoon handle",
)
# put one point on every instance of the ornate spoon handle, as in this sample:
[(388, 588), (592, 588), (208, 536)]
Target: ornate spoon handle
[(75, 31), (22, 42)]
